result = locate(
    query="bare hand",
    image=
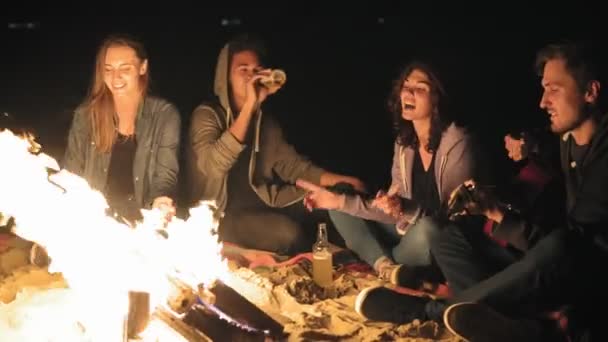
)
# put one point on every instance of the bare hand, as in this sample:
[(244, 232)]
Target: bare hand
[(389, 203), (166, 206), (257, 93), (517, 149), (320, 198), (471, 199)]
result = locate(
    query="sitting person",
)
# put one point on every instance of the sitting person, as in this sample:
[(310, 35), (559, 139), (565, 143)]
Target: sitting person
[(432, 156), (502, 298), (239, 158), (123, 141)]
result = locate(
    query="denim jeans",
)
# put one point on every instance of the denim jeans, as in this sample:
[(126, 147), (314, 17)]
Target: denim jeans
[(371, 240), (480, 271), (467, 256)]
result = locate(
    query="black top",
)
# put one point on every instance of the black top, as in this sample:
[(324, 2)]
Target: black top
[(424, 185), (240, 193), (576, 156), (120, 188)]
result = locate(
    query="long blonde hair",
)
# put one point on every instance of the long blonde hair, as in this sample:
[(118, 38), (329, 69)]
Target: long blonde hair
[(100, 102)]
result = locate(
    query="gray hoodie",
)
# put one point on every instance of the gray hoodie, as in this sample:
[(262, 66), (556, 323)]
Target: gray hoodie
[(454, 165), (274, 164)]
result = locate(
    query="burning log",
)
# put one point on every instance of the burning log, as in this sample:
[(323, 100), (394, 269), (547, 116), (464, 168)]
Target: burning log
[(232, 306), (181, 296), (217, 329), (139, 313), (140, 258), (166, 319), (181, 299), (217, 312)]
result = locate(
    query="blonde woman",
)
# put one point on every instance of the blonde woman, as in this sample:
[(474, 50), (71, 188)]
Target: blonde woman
[(123, 141)]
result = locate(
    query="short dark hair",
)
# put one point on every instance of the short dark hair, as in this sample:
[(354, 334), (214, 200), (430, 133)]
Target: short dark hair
[(249, 42), (583, 61)]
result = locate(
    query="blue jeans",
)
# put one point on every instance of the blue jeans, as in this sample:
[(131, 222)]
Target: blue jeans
[(371, 240), (513, 282)]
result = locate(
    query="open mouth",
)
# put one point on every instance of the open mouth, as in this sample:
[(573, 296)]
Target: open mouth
[(408, 106), (552, 114)]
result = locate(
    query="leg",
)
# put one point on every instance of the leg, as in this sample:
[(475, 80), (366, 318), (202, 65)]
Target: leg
[(478, 322), (414, 249), (267, 230), (508, 292), (363, 237), (467, 256), (414, 254), (543, 264)]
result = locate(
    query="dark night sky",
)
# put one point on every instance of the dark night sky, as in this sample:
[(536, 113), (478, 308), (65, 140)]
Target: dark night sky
[(339, 71)]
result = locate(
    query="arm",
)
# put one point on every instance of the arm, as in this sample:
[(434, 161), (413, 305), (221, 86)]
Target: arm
[(368, 209), (589, 214), (539, 146), (78, 142), (512, 227), (240, 126), (540, 208), (329, 179), (354, 204), (254, 97), (289, 165), (358, 206), (164, 182), (216, 150)]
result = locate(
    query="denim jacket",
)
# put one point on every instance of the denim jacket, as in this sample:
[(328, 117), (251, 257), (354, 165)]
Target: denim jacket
[(156, 163)]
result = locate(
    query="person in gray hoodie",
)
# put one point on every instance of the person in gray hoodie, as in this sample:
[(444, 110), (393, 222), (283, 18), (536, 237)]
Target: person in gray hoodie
[(239, 159), (432, 156)]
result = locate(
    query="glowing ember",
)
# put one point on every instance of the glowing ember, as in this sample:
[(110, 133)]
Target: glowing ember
[(100, 258)]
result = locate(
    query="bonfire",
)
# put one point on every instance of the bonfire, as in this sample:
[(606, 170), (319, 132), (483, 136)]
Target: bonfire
[(155, 282)]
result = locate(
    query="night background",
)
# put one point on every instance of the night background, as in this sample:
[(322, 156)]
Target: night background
[(339, 71)]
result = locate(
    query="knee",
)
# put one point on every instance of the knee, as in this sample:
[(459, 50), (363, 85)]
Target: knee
[(293, 239), (428, 230), (339, 219)]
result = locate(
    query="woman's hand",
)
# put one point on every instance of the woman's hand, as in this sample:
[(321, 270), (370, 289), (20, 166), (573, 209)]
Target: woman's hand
[(389, 202), (166, 206)]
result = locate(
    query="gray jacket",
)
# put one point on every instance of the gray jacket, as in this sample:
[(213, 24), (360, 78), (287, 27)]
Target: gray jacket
[(274, 164), (155, 168), (455, 163)]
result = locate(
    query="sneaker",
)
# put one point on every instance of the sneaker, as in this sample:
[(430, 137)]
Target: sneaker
[(379, 303), (400, 275), (387, 271), (477, 322)]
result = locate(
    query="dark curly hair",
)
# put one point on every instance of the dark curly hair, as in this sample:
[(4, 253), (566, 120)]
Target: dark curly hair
[(404, 129)]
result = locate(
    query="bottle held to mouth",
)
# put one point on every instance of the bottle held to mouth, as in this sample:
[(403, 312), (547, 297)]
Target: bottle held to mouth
[(275, 80)]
